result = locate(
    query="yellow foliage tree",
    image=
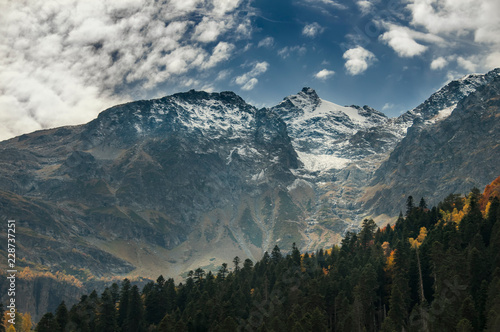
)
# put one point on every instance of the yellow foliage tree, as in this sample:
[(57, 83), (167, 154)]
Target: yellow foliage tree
[(386, 247), (27, 324)]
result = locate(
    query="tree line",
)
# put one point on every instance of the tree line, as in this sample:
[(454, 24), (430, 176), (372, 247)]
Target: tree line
[(435, 269)]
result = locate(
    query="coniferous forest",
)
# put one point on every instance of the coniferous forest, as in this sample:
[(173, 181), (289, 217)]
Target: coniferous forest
[(435, 269)]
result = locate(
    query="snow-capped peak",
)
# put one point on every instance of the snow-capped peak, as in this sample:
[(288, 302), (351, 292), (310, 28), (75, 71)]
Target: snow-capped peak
[(321, 130)]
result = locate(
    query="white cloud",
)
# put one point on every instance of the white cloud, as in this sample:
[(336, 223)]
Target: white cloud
[(266, 42), (248, 80), (493, 61), (387, 106), (324, 74), (223, 74), (365, 6), (61, 62), (358, 60), (220, 53), (312, 30), (439, 63), (467, 64), (332, 3), (401, 41), (285, 52), (250, 84), (458, 17), (468, 23)]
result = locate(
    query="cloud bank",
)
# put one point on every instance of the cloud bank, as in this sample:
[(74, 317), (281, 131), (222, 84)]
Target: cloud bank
[(467, 28), (61, 62)]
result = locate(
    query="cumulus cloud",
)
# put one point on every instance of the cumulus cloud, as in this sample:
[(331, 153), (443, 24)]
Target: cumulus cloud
[(358, 60), (439, 63), (403, 40), (311, 30), (493, 60), (61, 62), (458, 17), (324, 74), (469, 24), (248, 80), (467, 64), (266, 42)]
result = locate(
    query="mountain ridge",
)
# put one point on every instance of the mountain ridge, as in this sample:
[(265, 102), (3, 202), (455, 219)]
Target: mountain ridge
[(185, 174)]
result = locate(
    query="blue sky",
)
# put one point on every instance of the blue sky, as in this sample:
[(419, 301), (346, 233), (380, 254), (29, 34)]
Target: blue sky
[(64, 61)]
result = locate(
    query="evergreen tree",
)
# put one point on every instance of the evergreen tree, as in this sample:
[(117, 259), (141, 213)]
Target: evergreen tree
[(422, 205), (295, 254), (48, 323), (276, 254), (124, 302), (134, 322), (222, 272), (409, 205), (62, 316), (236, 262), (106, 319)]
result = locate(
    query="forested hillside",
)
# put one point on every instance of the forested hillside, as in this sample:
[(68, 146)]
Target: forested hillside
[(436, 269)]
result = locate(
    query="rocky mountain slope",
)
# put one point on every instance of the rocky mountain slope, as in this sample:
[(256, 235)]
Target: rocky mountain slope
[(193, 179), (448, 156), (153, 185)]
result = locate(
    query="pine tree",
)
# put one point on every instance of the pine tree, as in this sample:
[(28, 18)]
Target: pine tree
[(134, 322), (106, 319), (124, 302), (48, 323), (295, 254), (62, 316), (236, 262), (222, 272), (409, 205), (422, 205), (276, 254)]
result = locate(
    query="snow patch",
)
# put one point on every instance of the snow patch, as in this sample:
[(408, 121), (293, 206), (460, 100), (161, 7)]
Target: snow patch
[(321, 162), (259, 177), (138, 128), (444, 113), (298, 183)]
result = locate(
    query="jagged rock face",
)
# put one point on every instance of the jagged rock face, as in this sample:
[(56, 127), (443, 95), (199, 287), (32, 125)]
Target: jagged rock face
[(321, 131), (193, 179), (448, 97), (154, 172), (450, 156), (196, 178)]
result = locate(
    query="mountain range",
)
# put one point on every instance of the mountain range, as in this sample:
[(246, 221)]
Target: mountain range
[(194, 179)]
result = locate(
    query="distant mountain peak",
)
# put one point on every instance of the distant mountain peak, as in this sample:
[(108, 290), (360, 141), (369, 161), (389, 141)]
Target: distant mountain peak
[(194, 96)]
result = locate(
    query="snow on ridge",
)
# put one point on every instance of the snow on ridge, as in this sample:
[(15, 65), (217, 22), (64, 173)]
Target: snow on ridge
[(302, 102), (213, 115), (352, 113)]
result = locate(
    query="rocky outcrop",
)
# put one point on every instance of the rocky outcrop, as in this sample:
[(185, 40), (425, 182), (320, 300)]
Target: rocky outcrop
[(448, 156)]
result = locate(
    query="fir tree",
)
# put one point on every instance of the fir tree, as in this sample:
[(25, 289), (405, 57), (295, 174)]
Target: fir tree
[(62, 316)]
